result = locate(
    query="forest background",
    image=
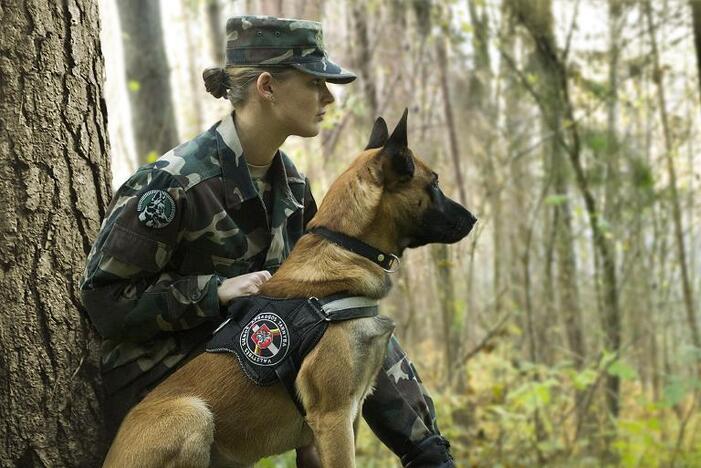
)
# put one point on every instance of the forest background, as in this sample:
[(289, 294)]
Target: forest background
[(563, 331)]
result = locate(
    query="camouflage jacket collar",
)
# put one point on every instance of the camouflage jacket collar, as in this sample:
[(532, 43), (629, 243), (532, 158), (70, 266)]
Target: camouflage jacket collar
[(237, 177)]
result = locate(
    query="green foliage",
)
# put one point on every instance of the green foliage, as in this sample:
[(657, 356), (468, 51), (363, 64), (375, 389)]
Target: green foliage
[(556, 199), (519, 413), (597, 141), (641, 174), (622, 370), (286, 460), (134, 86), (598, 89)]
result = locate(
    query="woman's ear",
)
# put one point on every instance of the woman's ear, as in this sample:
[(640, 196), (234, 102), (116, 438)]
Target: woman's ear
[(264, 86)]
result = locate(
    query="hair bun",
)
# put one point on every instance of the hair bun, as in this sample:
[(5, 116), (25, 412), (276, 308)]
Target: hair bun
[(216, 81)]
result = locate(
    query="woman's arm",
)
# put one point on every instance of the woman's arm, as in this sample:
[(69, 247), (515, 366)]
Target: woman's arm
[(127, 288)]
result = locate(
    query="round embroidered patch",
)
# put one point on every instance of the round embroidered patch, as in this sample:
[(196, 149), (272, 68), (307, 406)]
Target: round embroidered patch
[(265, 340), (156, 209)]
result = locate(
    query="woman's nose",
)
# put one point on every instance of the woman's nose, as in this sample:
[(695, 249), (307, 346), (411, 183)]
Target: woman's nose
[(326, 97)]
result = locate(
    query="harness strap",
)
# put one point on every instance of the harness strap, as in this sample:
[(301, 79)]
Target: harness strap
[(384, 260), (287, 374), (340, 307)]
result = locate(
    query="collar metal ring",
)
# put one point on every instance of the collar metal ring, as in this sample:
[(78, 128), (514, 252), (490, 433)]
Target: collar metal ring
[(395, 264)]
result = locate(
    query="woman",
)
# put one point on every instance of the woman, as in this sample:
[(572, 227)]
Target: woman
[(210, 220)]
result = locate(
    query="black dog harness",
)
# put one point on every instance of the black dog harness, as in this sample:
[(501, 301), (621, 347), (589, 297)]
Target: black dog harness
[(270, 337)]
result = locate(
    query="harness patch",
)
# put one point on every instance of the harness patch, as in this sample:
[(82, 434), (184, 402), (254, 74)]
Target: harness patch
[(265, 340), (270, 337), (156, 209)]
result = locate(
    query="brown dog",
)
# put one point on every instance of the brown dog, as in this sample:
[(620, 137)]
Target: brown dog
[(208, 413)]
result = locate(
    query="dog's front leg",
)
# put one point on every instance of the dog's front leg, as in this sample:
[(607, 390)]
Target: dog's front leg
[(326, 386), (333, 437)]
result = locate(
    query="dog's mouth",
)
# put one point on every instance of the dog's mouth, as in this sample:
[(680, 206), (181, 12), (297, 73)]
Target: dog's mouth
[(443, 226)]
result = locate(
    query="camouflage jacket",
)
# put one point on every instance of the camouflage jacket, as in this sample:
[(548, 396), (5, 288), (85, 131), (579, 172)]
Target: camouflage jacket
[(172, 232)]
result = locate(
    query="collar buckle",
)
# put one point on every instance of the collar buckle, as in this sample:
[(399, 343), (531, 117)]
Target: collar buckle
[(394, 264)]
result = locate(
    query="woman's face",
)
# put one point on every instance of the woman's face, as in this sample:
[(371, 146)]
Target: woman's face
[(299, 103)]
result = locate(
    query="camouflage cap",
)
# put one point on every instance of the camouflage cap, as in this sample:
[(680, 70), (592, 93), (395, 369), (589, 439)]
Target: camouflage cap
[(270, 41)]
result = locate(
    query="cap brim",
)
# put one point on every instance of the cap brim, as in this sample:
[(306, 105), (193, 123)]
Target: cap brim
[(325, 68)]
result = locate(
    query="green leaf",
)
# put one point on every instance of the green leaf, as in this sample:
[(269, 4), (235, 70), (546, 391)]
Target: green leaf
[(597, 142), (151, 157), (675, 391), (597, 88), (555, 200), (585, 378), (133, 86), (623, 370)]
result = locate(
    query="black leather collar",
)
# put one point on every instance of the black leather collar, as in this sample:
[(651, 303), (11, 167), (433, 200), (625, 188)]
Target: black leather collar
[(388, 262)]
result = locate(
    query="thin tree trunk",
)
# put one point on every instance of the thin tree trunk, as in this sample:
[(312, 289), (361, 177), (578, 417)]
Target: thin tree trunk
[(440, 251), (55, 185), (453, 145), (215, 23), (148, 78), (483, 112), (537, 18), (696, 27), (362, 55), (194, 111), (687, 289)]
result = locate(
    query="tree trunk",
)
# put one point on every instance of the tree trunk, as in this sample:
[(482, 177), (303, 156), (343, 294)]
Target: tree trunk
[(148, 79), (687, 289), (696, 26), (194, 112), (453, 145), (537, 18), (362, 56), (55, 184), (215, 23)]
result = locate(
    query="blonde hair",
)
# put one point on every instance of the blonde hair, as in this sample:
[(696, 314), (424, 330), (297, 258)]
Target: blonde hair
[(234, 82)]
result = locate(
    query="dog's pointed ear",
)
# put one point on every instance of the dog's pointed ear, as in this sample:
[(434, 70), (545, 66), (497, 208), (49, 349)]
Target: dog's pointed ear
[(396, 149), (379, 134)]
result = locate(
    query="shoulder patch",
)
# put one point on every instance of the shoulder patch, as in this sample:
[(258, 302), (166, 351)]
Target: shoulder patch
[(156, 209)]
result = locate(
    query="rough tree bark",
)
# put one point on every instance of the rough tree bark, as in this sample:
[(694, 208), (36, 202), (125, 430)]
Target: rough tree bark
[(148, 78), (55, 184)]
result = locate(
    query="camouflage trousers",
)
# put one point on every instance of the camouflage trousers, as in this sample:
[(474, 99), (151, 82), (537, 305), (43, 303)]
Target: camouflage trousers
[(400, 411)]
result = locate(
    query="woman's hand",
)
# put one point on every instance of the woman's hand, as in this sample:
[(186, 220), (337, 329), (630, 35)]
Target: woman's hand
[(244, 285)]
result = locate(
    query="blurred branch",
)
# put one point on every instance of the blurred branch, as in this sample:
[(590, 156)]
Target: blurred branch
[(494, 331), (568, 42)]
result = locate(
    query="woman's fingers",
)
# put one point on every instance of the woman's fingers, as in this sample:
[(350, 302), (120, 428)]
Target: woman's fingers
[(243, 285)]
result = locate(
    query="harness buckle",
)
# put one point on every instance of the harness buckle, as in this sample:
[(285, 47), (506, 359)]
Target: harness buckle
[(316, 305), (394, 266)]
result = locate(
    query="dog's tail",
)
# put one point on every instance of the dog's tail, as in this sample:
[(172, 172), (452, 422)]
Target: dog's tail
[(175, 431)]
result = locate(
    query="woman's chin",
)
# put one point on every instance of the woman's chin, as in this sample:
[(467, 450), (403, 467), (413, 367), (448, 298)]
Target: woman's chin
[(311, 131)]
